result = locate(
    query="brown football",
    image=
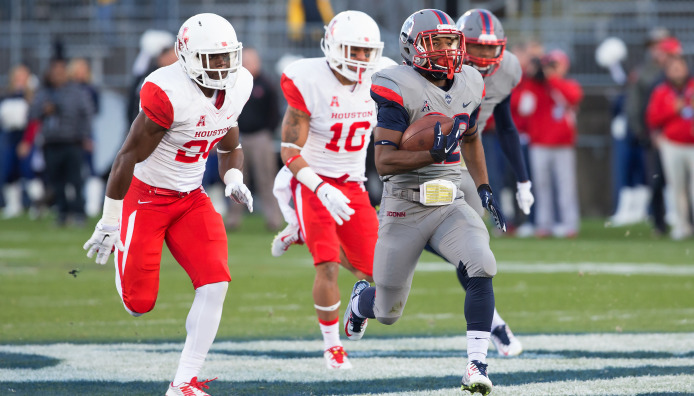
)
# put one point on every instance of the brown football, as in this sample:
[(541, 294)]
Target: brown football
[(419, 136)]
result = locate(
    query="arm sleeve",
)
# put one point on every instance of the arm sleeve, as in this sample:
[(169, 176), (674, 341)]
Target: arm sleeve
[(391, 112), (293, 95), (509, 140), (156, 104)]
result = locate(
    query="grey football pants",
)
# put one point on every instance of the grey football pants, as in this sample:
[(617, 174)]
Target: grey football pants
[(456, 231)]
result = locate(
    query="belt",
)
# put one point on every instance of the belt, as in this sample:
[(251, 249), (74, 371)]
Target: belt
[(166, 192), (410, 194)]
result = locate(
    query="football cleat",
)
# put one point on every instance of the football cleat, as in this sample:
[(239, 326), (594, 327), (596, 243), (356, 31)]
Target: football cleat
[(505, 342), (475, 379), (286, 238), (336, 358), (192, 388), (354, 325)]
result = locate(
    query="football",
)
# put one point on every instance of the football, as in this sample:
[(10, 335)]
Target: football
[(419, 136)]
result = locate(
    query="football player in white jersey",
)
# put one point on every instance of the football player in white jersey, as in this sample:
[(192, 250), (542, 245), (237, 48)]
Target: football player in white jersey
[(154, 191), (325, 133)]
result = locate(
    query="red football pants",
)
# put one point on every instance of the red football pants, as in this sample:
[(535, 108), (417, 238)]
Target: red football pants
[(324, 238), (194, 233)]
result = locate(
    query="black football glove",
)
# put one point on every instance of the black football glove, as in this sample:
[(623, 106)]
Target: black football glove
[(489, 203), (444, 144)]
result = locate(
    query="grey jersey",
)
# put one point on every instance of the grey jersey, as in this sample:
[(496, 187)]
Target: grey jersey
[(499, 86), (420, 97)]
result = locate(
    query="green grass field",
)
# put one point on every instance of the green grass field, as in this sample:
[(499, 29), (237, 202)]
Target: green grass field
[(271, 297)]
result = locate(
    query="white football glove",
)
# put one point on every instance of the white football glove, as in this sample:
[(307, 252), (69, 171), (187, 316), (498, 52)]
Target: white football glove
[(336, 202), (236, 190), (104, 238), (524, 197)]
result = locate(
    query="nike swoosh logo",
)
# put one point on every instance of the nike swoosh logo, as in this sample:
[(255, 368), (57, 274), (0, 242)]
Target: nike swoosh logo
[(448, 149), (232, 114), (466, 104), (143, 202)]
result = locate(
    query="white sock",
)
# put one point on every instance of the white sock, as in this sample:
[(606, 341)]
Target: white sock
[(201, 325), (477, 345), (497, 320), (331, 333)]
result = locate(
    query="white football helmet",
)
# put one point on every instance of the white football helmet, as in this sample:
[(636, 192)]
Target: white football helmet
[(351, 29), (202, 36)]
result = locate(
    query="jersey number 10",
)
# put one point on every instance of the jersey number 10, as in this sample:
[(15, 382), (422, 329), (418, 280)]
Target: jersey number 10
[(349, 145)]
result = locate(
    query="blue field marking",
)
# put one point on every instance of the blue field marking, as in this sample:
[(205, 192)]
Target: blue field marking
[(568, 364), (25, 361)]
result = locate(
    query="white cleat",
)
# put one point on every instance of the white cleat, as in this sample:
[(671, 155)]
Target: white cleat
[(290, 235), (192, 388), (354, 325), (336, 358), (505, 342), (475, 379)]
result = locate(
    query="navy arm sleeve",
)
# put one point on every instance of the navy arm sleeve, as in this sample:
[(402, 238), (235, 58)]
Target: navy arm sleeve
[(509, 140), (391, 115)]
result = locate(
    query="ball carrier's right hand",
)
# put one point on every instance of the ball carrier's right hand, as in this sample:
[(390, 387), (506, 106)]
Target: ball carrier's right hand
[(106, 235)]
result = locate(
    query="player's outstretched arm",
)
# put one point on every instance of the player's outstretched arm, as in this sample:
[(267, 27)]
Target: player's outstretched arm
[(143, 138), (230, 159), (391, 161)]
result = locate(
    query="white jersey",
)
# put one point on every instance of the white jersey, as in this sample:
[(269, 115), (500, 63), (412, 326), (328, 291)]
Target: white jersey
[(171, 99), (342, 117)]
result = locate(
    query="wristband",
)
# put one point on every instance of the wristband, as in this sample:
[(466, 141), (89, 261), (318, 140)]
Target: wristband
[(112, 211), (309, 178), (233, 175)]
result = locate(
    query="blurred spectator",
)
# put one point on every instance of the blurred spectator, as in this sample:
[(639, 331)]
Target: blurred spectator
[(257, 124), (313, 12), (547, 105), (15, 170), (660, 47), (529, 52), (65, 111), (669, 115), (628, 156), (80, 73)]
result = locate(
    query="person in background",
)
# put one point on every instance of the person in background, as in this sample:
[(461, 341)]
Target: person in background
[(549, 117), (15, 168), (669, 115), (65, 111), (257, 124), (660, 46), (80, 73)]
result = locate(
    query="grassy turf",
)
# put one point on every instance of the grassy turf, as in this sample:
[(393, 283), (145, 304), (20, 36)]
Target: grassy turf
[(271, 297)]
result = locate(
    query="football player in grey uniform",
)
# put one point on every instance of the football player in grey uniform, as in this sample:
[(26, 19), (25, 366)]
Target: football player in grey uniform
[(485, 44), (422, 203)]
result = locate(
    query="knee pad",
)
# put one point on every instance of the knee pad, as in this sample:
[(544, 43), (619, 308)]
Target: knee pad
[(138, 307), (483, 265), (216, 291)]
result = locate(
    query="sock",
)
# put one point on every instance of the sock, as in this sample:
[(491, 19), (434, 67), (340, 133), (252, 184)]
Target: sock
[(331, 332), (363, 304), (477, 345), (497, 320), (201, 325)]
